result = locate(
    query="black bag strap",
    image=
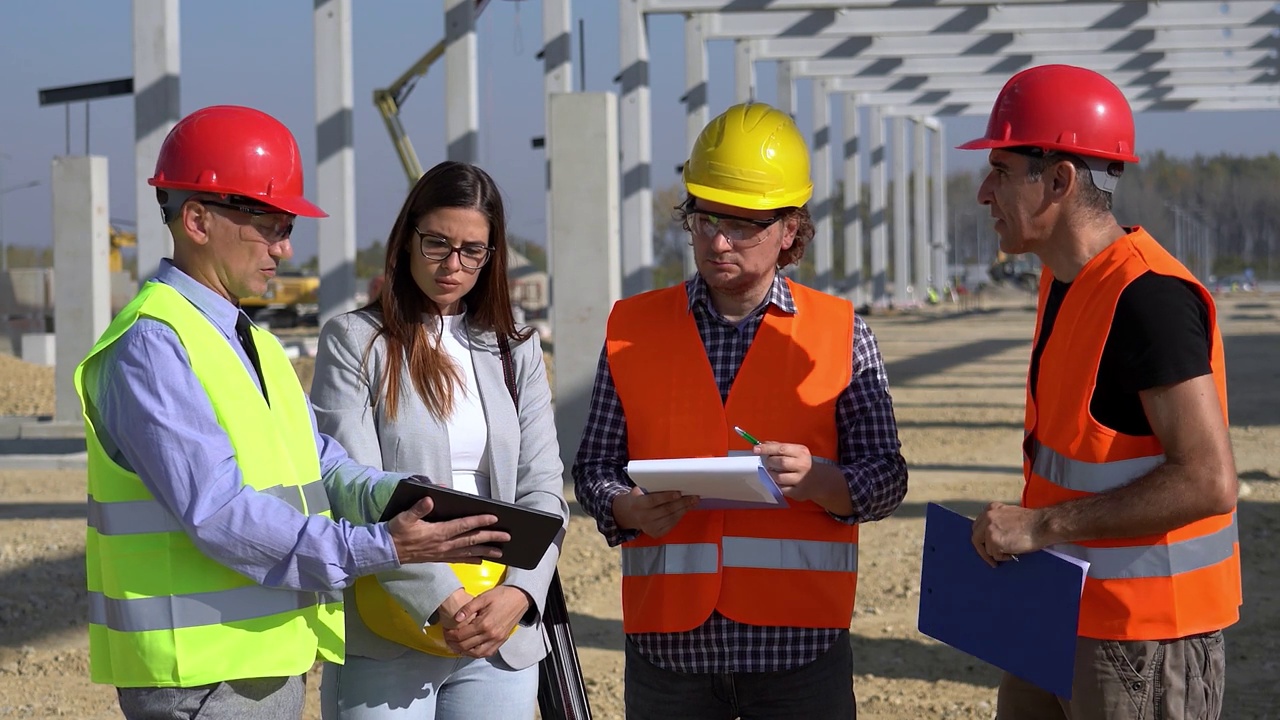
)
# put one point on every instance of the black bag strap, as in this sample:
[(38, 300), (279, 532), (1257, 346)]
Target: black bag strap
[(562, 693), (508, 368)]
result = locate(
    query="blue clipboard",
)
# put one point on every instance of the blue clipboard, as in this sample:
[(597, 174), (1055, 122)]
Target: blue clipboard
[(1020, 616)]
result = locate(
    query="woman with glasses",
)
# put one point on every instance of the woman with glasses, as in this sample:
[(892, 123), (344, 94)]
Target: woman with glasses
[(433, 377)]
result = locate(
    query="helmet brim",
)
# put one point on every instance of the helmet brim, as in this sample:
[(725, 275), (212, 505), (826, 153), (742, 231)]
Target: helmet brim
[(749, 201), (292, 205), (295, 206), (984, 143)]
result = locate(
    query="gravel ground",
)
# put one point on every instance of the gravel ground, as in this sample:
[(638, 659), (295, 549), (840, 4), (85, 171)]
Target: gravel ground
[(957, 386)]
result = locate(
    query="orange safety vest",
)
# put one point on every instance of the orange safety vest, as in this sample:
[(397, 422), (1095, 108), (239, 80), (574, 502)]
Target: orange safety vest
[(1154, 587), (793, 567)]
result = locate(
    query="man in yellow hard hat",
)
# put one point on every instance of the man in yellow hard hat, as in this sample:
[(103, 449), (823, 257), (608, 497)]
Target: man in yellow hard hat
[(741, 612)]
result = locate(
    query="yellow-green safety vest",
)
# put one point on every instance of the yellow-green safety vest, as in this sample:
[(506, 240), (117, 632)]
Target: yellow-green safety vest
[(161, 612)]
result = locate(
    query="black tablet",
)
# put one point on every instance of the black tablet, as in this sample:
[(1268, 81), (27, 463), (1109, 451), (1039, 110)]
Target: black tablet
[(532, 531)]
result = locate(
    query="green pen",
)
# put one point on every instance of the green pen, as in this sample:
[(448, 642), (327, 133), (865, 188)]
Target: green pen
[(745, 435)]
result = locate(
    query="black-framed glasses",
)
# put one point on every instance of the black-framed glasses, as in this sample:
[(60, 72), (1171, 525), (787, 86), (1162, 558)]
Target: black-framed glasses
[(740, 232), (436, 248), (274, 225)]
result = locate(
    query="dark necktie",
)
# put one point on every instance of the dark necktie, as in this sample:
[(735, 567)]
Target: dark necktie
[(246, 341)]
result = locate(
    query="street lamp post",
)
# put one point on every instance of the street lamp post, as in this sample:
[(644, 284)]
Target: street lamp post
[(4, 248)]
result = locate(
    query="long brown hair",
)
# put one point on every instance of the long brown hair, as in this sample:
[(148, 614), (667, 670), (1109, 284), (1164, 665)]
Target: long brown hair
[(403, 304)]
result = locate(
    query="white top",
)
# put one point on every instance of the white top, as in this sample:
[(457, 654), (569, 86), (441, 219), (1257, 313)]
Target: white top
[(468, 429)]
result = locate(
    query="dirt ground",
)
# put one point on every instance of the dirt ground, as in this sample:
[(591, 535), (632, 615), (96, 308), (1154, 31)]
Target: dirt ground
[(957, 384)]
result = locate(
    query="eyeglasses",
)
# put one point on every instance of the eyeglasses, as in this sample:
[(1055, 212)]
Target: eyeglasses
[(433, 247), (274, 226), (739, 231)]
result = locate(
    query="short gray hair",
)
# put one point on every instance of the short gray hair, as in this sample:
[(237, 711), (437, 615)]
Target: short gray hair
[(1092, 197)]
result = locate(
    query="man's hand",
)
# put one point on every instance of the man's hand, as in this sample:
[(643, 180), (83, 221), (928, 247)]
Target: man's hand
[(452, 541), (1002, 531), (654, 514), (486, 622), (792, 468)]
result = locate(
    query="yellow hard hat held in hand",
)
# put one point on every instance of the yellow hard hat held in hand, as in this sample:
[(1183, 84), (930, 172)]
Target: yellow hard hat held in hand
[(750, 156), (387, 619)]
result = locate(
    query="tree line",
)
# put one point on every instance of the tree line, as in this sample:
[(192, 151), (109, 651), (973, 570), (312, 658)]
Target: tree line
[(1231, 201)]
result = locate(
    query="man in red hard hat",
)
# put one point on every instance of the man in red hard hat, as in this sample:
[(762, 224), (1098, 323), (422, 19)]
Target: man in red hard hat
[(217, 516), (1127, 462)]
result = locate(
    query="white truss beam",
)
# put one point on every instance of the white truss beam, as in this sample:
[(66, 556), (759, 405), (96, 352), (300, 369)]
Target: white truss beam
[(1010, 64), (1001, 44), (977, 19)]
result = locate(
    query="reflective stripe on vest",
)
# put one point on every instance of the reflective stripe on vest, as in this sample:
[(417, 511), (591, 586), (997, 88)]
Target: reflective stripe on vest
[(138, 517), (674, 559), (171, 612), (1089, 477), (740, 552), (1142, 561)]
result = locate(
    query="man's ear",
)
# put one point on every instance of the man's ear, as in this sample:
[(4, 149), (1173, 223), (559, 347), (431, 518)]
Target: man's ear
[(1063, 178), (790, 227), (195, 218)]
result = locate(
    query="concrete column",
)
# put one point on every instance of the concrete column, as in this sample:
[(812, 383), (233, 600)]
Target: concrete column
[(744, 70), (820, 170), (584, 220), (636, 141), (82, 282), (852, 214), (786, 88), (461, 81), (920, 211), (696, 111), (156, 63), (335, 158), (901, 247), (878, 219), (941, 274), (557, 77)]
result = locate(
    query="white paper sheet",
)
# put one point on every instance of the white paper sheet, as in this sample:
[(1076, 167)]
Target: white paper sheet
[(721, 482)]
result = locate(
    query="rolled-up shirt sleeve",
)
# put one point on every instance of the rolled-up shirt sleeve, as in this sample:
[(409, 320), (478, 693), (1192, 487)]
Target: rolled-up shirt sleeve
[(157, 421)]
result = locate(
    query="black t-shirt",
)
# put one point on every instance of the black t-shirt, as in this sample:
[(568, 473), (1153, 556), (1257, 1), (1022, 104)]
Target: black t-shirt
[(1159, 336)]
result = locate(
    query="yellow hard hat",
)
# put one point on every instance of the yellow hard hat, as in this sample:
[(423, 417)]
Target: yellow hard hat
[(386, 618), (750, 156)]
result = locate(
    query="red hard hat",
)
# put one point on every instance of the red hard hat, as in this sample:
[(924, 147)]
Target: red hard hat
[(1064, 108), (232, 150)]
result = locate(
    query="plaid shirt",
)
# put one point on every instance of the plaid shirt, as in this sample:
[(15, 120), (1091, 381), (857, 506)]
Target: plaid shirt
[(870, 457)]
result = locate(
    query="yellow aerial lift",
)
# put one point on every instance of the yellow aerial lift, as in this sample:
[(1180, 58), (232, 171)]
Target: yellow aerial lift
[(388, 100)]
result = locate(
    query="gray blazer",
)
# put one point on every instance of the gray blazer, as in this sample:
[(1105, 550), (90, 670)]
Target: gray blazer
[(524, 457)]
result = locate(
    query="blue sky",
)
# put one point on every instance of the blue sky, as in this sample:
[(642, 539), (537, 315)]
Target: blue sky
[(260, 54)]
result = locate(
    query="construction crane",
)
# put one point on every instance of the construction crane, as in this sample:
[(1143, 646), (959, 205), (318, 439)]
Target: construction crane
[(390, 99)]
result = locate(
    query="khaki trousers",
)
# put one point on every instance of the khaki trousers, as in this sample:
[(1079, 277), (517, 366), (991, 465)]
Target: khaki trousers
[(1139, 680)]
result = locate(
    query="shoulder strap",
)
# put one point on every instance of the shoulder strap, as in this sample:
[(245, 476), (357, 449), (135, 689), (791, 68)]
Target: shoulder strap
[(508, 368)]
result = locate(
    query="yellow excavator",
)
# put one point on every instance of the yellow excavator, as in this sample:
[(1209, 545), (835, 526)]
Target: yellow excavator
[(291, 297)]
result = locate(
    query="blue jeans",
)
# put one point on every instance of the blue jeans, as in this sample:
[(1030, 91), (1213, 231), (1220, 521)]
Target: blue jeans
[(821, 690), (418, 686)]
